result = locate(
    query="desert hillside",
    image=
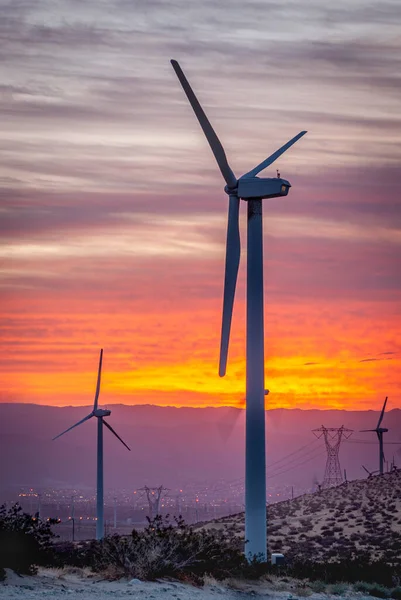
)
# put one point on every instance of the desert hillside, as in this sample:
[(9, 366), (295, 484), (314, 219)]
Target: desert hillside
[(362, 515)]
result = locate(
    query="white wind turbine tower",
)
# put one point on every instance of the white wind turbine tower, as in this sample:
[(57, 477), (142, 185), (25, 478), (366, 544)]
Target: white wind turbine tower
[(100, 413), (380, 431), (252, 189)]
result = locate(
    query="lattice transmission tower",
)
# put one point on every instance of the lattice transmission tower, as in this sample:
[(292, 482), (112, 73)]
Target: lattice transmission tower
[(153, 495), (332, 438)]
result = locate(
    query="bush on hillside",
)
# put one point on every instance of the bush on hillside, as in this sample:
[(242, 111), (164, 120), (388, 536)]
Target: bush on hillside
[(317, 586), (25, 541), (373, 589), (350, 569), (338, 589), (396, 593), (176, 550), (164, 550)]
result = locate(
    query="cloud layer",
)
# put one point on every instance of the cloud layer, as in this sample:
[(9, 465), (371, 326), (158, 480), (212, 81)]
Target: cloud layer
[(113, 211)]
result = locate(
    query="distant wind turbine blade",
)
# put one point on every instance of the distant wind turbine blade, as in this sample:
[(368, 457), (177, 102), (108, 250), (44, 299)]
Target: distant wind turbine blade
[(208, 130), (99, 374), (382, 413), (233, 253), (116, 434), (76, 425), (366, 430), (368, 472), (273, 156)]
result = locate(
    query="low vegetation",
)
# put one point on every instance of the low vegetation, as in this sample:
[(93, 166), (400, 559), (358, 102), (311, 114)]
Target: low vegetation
[(25, 541), (165, 549), (333, 541)]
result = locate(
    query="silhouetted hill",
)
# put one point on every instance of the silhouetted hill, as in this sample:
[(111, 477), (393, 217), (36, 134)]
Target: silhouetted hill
[(175, 446)]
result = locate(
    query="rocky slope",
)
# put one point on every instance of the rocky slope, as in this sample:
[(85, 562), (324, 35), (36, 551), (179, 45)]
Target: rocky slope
[(359, 516)]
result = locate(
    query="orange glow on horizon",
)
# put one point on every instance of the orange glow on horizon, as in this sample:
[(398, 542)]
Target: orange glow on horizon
[(314, 359)]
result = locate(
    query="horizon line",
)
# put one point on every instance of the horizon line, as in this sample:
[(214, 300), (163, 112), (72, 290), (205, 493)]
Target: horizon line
[(225, 406)]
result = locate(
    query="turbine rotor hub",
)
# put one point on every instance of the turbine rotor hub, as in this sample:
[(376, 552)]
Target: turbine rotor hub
[(231, 190)]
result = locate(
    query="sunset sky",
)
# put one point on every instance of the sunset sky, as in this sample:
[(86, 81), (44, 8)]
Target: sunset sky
[(113, 214)]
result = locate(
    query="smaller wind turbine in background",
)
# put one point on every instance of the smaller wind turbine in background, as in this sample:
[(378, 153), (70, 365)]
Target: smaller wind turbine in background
[(380, 431), (370, 473), (100, 413)]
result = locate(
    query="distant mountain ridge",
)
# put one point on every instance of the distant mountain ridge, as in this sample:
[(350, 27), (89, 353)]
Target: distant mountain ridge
[(174, 446)]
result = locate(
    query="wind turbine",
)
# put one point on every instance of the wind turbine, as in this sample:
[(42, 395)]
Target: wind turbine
[(380, 431), (100, 413), (370, 473), (253, 189)]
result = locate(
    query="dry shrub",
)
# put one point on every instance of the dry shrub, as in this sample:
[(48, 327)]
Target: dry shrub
[(164, 550), (25, 540)]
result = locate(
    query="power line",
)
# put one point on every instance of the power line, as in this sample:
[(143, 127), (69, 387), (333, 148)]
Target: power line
[(291, 454), (297, 465), (297, 458), (367, 442), (313, 442), (285, 467)]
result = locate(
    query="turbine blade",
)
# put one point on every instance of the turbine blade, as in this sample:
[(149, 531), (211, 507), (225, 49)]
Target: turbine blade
[(116, 434), (233, 252), (273, 156), (382, 413), (208, 130), (99, 374), (366, 470), (76, 425), (365, 430)]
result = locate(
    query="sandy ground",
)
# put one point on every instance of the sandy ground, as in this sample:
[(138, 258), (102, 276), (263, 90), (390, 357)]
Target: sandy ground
[(50, 583)]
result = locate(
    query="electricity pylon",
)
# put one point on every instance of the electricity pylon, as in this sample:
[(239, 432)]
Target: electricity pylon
[(332, 438), (153, 495)]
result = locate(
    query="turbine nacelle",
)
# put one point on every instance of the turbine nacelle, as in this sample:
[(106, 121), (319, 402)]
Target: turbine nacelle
[(101, 412), (262, 187)]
